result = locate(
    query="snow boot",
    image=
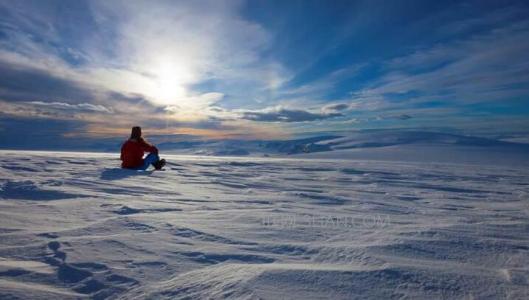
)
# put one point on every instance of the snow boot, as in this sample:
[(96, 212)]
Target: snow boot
[(159, 164)]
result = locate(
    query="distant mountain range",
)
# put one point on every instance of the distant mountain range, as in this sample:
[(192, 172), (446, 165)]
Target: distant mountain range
[(245, 147), (326, 143)]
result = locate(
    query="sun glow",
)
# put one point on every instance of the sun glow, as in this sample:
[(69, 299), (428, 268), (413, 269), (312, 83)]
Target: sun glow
[(170, 79)]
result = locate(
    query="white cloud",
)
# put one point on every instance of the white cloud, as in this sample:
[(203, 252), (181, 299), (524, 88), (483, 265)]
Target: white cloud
[(282, 114), (74, 107)]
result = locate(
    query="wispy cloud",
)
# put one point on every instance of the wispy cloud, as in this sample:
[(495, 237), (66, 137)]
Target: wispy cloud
[(486, 67), (73, 107), (280, 114), (335, 107)]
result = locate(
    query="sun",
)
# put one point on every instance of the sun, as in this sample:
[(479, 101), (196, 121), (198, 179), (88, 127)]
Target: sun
[(170, 79)]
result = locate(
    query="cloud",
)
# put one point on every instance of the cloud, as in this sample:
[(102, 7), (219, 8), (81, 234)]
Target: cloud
[(464, 71), (174, 63), (126, 52), (335, 107), (186, 45), (404, 117), (23, 82), (73, 107), (198, 102), (280, 114)]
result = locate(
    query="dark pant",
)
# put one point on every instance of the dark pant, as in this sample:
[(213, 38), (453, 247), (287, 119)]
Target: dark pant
[(149, 160)]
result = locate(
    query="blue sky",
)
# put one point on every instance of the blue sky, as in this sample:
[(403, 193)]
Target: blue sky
[(75, 70)]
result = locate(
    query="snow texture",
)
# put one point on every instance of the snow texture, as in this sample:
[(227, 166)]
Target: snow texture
[(75, 225)]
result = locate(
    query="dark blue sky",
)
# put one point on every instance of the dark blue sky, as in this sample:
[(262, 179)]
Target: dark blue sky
[(260, 69)]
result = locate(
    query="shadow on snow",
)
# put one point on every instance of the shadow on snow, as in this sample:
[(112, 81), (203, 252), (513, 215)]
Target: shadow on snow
[(119, 173)]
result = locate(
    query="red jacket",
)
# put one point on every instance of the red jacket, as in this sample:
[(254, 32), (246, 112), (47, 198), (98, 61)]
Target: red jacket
[(132, 153)]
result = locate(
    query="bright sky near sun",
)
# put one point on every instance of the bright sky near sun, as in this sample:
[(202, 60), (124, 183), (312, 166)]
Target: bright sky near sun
[(261, 69)]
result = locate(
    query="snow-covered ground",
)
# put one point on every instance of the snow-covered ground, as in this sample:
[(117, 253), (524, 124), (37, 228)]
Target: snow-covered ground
[(74, 225)]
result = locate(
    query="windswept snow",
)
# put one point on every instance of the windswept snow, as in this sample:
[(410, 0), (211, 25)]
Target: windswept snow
[(74, 225)]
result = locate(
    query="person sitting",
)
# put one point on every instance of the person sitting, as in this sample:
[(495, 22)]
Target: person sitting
[(133, 150)]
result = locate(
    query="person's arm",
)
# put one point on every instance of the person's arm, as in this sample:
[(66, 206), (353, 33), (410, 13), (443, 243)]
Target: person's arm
[(147, 147)]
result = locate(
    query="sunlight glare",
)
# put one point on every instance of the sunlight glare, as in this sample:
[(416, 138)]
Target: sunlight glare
[(170, 79)]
